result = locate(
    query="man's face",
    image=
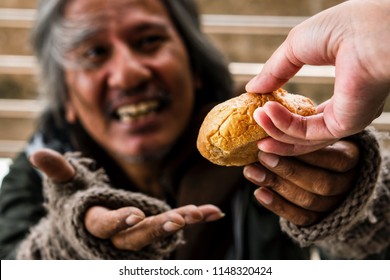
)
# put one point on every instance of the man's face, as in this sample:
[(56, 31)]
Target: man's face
[(128, 75)]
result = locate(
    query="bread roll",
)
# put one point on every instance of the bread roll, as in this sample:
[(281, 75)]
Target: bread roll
[(229, 134)]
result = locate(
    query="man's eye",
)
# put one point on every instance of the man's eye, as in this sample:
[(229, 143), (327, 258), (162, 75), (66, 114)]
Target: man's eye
[(150, 43), (96, 54)]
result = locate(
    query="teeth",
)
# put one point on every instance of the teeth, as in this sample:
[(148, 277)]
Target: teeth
[(134, 111)]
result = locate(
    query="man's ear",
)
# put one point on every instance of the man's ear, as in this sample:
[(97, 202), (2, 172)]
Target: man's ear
[(70, 112)]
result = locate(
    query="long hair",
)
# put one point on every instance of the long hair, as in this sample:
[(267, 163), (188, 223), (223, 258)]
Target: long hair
[(44, 39)]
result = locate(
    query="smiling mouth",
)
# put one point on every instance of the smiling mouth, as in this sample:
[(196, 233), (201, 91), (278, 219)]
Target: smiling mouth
[(132, 112)]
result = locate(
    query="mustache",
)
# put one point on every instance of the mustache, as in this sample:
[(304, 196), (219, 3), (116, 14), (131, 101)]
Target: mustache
[(135, 95)]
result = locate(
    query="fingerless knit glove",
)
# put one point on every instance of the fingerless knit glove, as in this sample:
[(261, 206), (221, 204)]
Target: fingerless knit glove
[(62, 234)]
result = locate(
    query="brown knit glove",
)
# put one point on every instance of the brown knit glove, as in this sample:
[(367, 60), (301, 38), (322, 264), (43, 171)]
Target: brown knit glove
[(361, 225), (62, 234)]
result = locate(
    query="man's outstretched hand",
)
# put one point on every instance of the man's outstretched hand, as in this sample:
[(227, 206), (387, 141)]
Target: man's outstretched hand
[(128, 228)]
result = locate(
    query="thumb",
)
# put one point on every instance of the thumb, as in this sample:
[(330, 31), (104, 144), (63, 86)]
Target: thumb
[(53, 164), (306, 43)]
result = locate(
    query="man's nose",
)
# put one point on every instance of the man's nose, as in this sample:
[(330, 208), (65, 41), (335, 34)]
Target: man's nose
[(127, 69)]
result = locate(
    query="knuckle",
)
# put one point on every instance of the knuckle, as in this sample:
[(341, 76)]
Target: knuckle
[(324, 184), (324, 188), (334, 185), (344, 163), (156, 234), (307, 201), (272, 180), (131, 246), (350, 161), (135, 239), (289, 171), (154, 230), (285, 190), (119, 243), (305, 219), (176, 216), (122, 242), (346, 156), (191, 208)]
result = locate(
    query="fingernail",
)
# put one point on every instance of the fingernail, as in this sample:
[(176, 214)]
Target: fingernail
[(133, 219), (251, 83), (257, 115), (255, 174), (171, 226), (214, 217), (270, 160), (263, 195)]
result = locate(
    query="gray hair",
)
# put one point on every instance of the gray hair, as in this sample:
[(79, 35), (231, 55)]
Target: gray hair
[(48, 43)]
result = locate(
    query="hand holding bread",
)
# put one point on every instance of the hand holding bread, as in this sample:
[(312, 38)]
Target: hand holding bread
[(362, 78), (229, 134)]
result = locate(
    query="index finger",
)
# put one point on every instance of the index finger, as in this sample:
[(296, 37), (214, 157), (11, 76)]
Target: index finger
[(279, 68), (164, 224), (105, 223), (284, 126), (341, 156), (318, 181)]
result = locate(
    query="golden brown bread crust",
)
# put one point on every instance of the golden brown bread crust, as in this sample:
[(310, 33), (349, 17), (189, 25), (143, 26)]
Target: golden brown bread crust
[(229, 134)]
